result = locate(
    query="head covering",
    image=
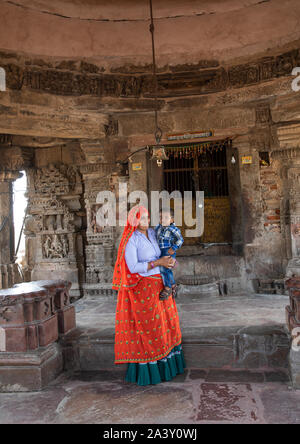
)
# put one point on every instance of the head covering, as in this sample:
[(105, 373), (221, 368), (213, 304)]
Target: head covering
[(122, 276)]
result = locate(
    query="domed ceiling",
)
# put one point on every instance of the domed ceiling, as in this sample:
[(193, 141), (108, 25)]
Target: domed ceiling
[(134, 10), (115, 32)]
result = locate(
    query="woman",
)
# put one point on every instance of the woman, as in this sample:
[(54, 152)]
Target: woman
[(147, 332)]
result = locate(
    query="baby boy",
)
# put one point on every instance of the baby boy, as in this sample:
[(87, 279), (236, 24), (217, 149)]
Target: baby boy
[(169, 240)]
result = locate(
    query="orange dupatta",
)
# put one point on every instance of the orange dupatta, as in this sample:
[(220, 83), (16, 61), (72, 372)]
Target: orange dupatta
[(122, 276)]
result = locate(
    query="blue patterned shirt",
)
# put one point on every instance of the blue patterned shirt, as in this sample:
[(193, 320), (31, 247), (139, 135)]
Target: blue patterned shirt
[(169, 237)]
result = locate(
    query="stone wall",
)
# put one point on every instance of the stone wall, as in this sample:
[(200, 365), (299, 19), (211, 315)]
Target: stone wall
[(72, 126)]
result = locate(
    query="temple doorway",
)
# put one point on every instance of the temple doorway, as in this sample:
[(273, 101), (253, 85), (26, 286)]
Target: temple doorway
[(202, 167)]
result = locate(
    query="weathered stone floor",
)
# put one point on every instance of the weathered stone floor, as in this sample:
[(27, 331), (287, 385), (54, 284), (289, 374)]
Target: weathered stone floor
[(92, 398)]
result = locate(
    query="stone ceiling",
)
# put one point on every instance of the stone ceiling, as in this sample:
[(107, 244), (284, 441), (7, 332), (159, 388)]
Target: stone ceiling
[(116, 32), (133, 10), (82, 69)]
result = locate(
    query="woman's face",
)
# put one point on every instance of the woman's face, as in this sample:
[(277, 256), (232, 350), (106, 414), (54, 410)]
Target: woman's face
[(144, 222)]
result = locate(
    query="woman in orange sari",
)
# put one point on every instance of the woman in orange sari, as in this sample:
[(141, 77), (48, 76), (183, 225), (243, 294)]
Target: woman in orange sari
[(147, 332)]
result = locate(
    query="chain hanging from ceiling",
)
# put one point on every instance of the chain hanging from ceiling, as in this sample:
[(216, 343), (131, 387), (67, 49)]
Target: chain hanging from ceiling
[(159, 152), (158, 131)]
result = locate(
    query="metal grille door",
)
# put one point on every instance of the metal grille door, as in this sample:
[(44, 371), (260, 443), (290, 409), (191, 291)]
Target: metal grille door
[(202, 167)]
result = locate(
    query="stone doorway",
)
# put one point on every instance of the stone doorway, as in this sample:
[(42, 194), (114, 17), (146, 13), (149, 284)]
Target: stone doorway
[(202, 167)]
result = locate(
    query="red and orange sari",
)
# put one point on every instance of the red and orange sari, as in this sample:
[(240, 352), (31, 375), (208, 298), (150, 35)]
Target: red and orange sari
[(146, 329)]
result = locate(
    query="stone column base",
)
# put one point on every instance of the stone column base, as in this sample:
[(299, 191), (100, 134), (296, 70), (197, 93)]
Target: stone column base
[(30, 371)]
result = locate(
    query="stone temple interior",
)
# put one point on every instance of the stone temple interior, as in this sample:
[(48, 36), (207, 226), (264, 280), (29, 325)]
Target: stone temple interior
[(77, 102)]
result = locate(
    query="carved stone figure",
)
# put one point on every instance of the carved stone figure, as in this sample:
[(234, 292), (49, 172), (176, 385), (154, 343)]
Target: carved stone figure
[(65, 247), (47, 246), (55, 247)]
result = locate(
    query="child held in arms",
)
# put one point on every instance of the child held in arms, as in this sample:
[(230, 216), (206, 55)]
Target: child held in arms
[(169, 239)]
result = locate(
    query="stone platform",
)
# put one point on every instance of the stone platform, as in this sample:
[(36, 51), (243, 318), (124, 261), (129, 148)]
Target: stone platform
[(240, 333)]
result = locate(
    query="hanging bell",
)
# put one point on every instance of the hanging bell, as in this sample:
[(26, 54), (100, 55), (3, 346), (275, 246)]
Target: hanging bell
[(159, 153)]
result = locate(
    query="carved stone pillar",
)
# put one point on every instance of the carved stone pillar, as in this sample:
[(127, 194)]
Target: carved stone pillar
[(13, 160), (288, 155), (54, 244), (99, 247), (9, 273), (100, 173), (246, 202), (6, 222)]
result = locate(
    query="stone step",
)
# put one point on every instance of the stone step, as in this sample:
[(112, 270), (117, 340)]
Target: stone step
[(232, 332), (235, 348)]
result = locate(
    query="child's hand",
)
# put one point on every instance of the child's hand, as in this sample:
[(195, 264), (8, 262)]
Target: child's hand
[(170, 251)]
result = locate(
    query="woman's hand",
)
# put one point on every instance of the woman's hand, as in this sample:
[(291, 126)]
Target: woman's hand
[(166, 261)]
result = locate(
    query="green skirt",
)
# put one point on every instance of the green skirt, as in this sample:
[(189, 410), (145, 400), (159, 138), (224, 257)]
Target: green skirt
[(157, 371)]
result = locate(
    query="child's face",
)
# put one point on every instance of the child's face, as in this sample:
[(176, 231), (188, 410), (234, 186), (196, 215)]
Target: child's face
[(166, 219)]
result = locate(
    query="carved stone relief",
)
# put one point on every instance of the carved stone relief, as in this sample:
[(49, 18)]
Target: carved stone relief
[(55, 246), (52, 228), (176, 81), (55, 180)]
